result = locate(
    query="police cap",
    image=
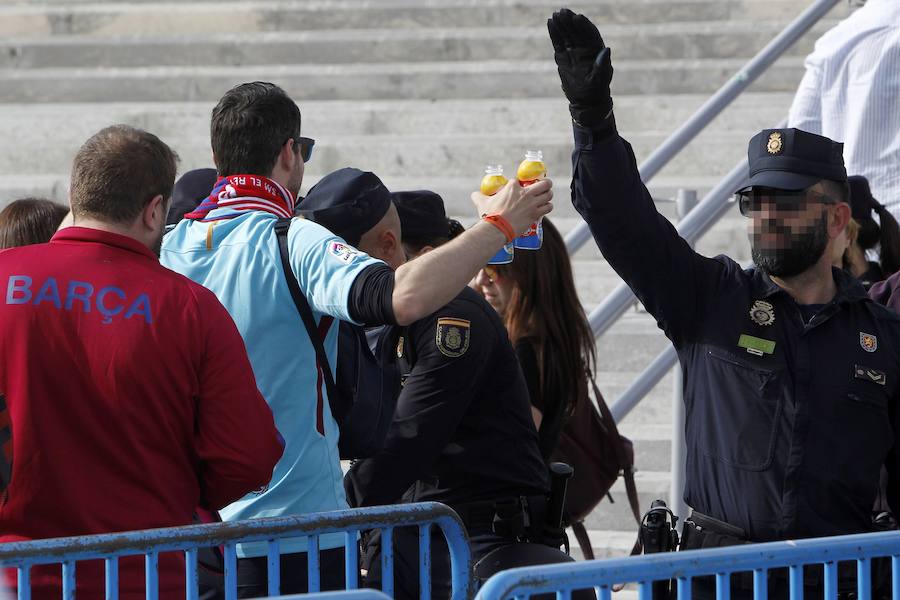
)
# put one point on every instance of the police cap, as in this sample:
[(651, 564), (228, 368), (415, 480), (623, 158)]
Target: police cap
[(422, 215), (347, 202), (792, 159), (861, 201), (190, 190)]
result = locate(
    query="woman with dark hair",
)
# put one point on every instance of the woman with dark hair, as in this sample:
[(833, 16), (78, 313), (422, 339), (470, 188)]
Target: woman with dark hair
[(30, 221), (871, 235), (535, 295)]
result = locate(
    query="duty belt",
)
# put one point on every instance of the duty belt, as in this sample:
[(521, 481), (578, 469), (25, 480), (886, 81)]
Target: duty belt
[(520, 517)]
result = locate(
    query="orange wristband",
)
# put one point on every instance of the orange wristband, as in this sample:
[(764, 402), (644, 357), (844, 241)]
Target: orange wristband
[(502, 224)]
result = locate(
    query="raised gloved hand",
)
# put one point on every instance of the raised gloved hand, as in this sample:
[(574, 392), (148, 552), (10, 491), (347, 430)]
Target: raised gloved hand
[(584, 66)]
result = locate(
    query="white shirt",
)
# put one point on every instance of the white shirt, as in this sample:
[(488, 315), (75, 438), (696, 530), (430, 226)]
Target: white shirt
[(851, 94)]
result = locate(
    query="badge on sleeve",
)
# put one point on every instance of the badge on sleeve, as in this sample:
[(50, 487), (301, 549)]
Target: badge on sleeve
[(868, 342), (342, 252), (452, 336)]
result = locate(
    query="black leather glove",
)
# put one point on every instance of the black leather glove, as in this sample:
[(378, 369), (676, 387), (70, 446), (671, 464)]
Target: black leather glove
[(585, 69)]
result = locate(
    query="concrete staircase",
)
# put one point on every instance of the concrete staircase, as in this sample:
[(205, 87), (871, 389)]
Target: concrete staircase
[(424, 93)]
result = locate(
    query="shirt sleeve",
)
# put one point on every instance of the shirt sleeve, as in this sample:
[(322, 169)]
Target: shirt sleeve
[(372, 296), (436, 395), (326, 267), (235, 436), (673, 282), (806, 109)]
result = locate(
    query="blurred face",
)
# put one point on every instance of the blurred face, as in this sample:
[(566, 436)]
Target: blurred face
[(788, 230), (495, 288)]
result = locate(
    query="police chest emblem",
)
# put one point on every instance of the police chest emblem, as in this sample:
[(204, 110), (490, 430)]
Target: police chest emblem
[(868, 342), (775, 143), (452, 336), (762, 313)]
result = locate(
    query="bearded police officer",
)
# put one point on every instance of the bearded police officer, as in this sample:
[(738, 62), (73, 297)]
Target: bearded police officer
[(791, 373)]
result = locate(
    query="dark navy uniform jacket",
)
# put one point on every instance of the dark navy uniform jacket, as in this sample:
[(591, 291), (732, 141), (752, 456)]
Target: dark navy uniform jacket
[(787, 424), (462, 430)]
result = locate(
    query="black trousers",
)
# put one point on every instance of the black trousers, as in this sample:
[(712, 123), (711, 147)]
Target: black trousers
[(253, 574), (778, 580), (406, 560)]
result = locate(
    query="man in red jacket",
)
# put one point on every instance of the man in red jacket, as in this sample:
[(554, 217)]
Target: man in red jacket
[(128, 396)]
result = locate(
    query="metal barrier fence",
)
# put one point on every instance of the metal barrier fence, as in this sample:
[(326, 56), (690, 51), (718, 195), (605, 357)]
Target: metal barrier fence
[(152, 542), (364, 594), (757, 559)]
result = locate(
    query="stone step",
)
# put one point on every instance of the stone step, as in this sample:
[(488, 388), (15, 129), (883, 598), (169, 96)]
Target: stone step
[(607, 543), (421, 155), (88, 17), (419, 80), (694, 40), (323, 119), (617, 514)]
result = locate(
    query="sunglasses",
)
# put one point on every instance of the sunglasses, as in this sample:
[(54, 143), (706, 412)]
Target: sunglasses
[(781, 200), (492, 273), (305, 146)]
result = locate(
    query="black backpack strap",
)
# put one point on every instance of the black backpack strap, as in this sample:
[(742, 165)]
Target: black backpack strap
[(584, 542), (281, 230)]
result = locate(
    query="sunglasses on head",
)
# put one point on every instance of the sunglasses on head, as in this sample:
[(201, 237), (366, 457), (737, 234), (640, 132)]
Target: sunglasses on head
[(752, 201), (305, 146)]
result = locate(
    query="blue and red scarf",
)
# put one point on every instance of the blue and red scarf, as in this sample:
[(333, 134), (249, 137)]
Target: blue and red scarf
[(242, 193)]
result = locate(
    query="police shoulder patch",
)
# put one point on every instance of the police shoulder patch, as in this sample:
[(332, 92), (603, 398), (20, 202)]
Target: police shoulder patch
[(452, 336)]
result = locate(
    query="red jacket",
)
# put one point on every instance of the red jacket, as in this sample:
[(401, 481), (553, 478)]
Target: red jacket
[(130, 401)]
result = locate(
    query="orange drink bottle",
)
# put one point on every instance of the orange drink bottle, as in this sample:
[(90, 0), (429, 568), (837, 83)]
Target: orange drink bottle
[(531, 169), (491, 183)]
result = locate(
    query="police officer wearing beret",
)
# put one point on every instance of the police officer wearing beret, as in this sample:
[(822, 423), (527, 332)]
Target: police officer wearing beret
[(791, 374), (462, 432)]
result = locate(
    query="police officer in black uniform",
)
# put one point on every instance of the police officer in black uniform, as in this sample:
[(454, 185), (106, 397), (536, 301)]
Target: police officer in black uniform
[(791, 373), (462, 431)]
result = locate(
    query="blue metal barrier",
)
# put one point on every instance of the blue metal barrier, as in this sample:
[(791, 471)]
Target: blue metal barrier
[(152, 542), (364, 594), (721, 562)]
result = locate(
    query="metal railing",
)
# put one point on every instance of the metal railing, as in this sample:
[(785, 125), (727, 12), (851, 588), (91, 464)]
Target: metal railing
[(150, 543), (363, 594), (757, 559)]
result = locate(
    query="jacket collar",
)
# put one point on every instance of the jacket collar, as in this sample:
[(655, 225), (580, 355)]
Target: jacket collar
[(87, 235), (849, 289)]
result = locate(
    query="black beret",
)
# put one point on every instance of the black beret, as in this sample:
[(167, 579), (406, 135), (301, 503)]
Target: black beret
[(861, 201), (792, 159), (347, 202), (422, 215), (190, 190)]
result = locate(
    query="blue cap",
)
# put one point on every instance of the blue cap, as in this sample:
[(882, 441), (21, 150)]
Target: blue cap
[(190, 190), (792, 159), (347, 202), (422, 215)]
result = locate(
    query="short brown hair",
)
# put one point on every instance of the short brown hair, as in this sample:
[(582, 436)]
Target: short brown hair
[(249, 126), (118, 171), (29, 221)]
